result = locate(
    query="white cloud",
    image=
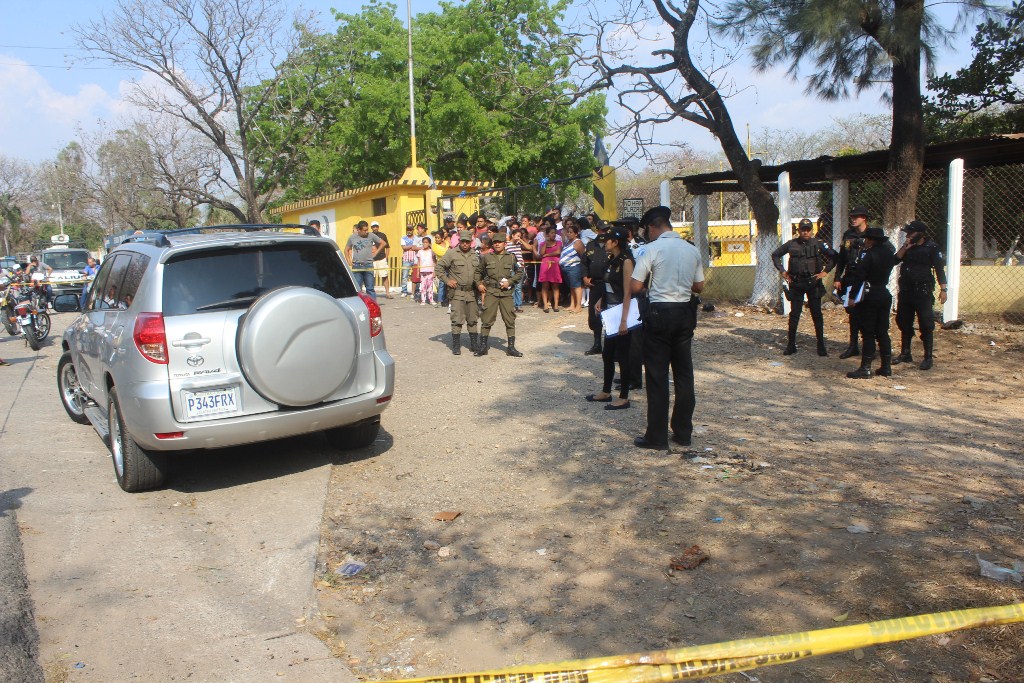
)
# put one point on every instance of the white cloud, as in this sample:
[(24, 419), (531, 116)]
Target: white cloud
[(37, 120)]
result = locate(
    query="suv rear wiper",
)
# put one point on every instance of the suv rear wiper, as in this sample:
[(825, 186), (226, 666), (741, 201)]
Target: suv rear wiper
[(227, 303)]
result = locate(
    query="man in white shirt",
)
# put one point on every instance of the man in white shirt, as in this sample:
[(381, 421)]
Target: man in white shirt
[(676, 274)]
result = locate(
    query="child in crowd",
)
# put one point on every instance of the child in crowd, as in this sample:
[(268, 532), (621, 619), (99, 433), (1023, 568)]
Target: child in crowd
[(425, 257)]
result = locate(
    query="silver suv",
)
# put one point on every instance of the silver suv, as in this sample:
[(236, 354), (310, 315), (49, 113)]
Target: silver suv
[(223, 336)]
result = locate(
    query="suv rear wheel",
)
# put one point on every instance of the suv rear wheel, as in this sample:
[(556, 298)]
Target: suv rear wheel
[(135, 468), (356, 436)]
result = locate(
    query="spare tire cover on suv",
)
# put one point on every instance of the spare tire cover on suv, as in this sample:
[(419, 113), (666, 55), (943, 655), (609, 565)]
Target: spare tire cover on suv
[(297, 346)]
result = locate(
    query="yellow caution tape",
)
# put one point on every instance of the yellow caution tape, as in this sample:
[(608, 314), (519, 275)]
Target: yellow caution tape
[(702, 661)]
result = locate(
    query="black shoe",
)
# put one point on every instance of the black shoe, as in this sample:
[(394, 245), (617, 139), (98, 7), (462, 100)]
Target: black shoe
[(863, 372), (594, 350), (850, 352), (481, 349), (822, 351), (790, 350), (456, 344), (681, 440), (926, 364), (886, 369), (642, 442), (592, 398), (615, 407), (635, 386), (904, 357)]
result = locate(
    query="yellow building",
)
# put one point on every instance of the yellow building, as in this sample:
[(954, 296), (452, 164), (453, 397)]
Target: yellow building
[(730, 241), (394, 204)]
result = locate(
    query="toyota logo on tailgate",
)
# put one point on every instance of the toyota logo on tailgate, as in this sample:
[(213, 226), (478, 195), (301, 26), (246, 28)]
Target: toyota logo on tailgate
[(195, 361)]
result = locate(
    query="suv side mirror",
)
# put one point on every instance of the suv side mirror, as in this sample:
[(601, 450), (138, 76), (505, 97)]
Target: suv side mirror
[(66, 303)]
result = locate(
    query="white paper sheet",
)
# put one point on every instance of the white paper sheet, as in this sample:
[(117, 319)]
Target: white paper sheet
[(611, 318)]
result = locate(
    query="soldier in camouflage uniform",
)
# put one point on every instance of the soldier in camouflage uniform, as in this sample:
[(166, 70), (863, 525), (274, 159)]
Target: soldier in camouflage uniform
[(457, 269), (496, 277)]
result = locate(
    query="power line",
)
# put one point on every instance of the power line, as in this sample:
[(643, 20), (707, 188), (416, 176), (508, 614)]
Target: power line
[(68, 67), (40, 47)]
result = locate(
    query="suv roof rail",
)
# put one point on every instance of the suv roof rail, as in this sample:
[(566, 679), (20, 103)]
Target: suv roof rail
[(159, 238)]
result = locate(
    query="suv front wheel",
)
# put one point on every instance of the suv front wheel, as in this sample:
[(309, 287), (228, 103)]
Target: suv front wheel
[(135, 468)]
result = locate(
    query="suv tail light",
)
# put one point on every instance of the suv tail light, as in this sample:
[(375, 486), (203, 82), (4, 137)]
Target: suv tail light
[(150, 337), (376, 324)]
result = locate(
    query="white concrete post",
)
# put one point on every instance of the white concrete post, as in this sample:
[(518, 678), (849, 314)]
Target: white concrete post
[(666, 193), (785, 225), (700, 228), (954, 236), (840, 210)]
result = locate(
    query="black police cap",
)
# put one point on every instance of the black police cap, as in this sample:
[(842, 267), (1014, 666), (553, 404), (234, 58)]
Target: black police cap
[(662, 212), (915, 226)]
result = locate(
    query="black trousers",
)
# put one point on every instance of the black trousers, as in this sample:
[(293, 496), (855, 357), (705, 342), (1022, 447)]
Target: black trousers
[(813, 294), (668, 335), (872, 318), (914, 302), (616, 350), (593, 317)]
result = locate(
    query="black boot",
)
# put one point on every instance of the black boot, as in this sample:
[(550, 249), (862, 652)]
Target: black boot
[(822, 351), (474, 342), (791, 343), (456, 343), (886, 369), (904, 357), (929, 340), (481, 350), (853, 349), (864, 371), (594, 350), (511, 350)]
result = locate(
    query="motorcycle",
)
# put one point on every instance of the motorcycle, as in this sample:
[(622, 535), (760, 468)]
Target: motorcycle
[(7, 298), (30, 321)]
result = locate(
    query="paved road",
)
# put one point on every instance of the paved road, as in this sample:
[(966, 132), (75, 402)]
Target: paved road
[(209, 579)]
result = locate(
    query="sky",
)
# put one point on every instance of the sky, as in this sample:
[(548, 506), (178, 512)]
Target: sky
[(50, 92)]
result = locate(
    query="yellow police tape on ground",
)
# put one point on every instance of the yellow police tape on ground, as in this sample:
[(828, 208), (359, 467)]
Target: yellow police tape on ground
[(702, 661)]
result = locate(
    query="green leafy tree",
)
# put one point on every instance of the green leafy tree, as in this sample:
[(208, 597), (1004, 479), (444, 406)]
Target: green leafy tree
[(858, 43), (492, 98), (986, 96)]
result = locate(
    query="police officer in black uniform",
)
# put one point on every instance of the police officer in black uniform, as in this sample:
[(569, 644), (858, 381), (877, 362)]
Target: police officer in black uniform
[(849, 247), (810, 260), (870, 300), (595, 260), (918, 257)]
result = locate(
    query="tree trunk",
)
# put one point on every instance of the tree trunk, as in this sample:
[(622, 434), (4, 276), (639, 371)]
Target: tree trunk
[(906, 147), (767, 284)]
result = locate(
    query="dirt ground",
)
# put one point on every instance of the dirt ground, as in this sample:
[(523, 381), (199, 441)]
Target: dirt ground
[(820, 500)]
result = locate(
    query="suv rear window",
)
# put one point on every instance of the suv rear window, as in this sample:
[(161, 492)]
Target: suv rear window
[(233, 277)]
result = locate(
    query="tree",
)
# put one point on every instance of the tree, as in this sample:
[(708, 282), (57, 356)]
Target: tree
[(492, 103), (678, 87), (858, 42), (209, 59), (986, 96), (18, 185)]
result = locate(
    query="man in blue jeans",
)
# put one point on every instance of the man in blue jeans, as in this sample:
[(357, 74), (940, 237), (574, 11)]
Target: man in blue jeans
[(359, 252)]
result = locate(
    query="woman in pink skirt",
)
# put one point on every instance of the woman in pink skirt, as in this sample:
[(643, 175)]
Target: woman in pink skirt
[(550, 274)]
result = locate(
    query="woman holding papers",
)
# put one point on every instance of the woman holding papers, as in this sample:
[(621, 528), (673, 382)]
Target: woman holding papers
[(615, 297)]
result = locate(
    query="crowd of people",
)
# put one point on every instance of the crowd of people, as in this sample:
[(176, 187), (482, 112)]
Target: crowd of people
[(571, 263)]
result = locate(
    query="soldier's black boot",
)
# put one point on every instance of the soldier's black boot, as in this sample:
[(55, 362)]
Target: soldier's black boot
[(904, 357), (853, 349), (791, 341), (929, 339), (481, 350), (512, 350), (864, 371), (886, 369), (456, 343), (474, 342)]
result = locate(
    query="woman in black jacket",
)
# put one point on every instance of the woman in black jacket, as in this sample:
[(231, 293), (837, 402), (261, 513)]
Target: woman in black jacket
[(613, 292)]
